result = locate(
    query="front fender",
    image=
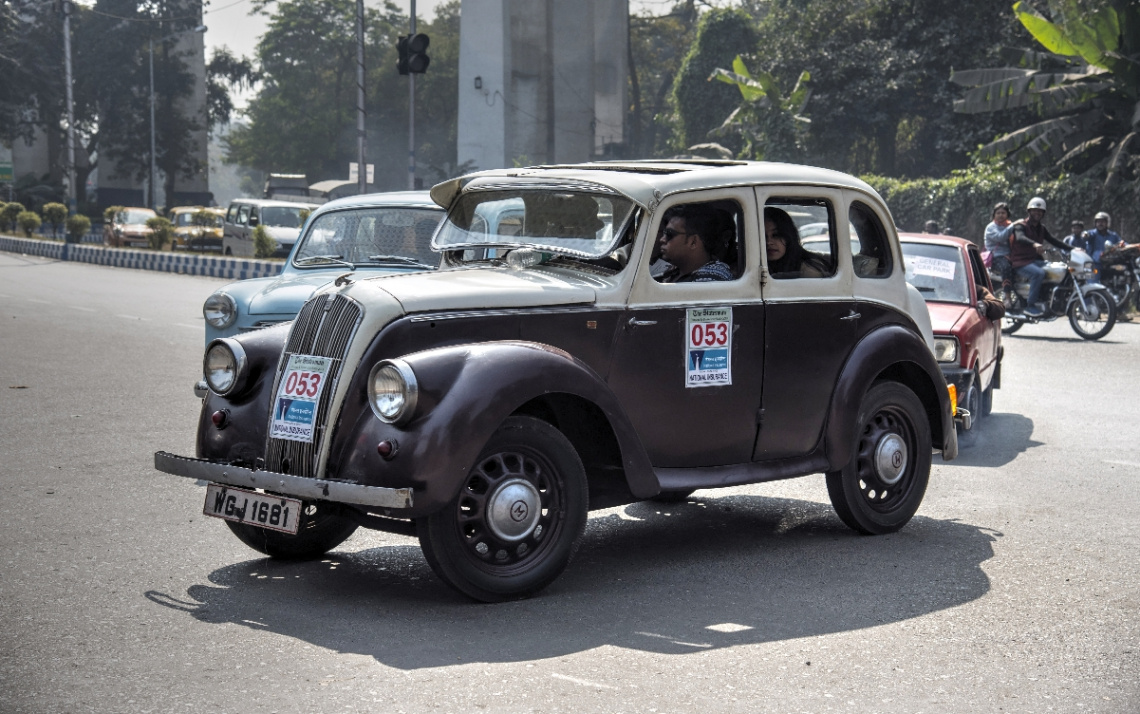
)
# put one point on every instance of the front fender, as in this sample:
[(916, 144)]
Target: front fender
[(465, 393), (897, 353)]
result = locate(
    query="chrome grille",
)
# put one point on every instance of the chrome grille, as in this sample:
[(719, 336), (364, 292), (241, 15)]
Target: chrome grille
[(323, 328)]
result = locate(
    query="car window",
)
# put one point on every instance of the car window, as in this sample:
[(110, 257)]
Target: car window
[(184, 219), (872, 259), (937, 272), (787, 255), (282, 216), (231, 215), (243, 214), (718, 226), (371, 235)]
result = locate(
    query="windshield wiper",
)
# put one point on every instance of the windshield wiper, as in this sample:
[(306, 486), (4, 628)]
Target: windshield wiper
[(401, 259), (326, 258)]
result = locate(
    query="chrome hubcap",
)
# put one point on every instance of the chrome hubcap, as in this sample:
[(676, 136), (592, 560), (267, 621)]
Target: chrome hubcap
[(513, 510), (890, 459)]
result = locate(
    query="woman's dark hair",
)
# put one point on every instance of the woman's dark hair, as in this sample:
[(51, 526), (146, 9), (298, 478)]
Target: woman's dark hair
[(1000, 205), (793, 252)]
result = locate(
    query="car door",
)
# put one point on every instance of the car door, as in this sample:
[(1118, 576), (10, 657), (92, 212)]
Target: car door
[(809, 323), (988, 335), (687, 361)]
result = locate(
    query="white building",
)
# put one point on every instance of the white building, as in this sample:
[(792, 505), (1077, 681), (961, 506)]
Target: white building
[(541, 81)]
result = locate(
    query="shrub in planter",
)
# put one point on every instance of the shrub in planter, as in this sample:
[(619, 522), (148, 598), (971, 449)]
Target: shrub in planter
[(29, 221), (161, 231), (56, 215), (77, 227), (263, 244)]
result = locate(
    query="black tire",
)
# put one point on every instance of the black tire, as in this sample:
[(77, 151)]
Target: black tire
[(673, 496), (1093, 329), (1119, 288), (876, 499), (972, 404), (526, 465), (323, 527), (988, 400), (1010, 326)]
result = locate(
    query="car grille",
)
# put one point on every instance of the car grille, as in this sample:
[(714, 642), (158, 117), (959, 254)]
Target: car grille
[(323, 328)]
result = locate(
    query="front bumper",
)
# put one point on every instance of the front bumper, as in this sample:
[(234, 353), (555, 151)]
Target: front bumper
[(297, 486), (962, 379)]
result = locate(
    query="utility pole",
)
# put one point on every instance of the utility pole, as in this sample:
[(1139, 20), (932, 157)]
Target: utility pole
[(362, 168), (153, 166), (72, 192), (412, 113)]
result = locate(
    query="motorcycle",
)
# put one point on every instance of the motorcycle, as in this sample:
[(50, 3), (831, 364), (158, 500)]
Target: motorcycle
[(1119, 271), (1068, 290)]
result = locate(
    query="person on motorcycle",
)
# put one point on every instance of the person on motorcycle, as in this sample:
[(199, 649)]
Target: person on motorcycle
[(1027, 244), (1101, 238), (997, 243)]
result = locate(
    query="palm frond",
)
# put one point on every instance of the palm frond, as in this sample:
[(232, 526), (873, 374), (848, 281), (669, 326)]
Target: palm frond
[(1066, 97), (979, 77), (1119, 159), (1031, 141)]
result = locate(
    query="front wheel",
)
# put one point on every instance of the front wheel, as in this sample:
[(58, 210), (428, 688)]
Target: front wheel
[(323, 527), (1098, 320), (518, 518), (881, 487)]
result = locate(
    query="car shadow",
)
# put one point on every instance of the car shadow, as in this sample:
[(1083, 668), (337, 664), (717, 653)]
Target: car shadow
[(684, 578), (1053, 338), (994, 441)]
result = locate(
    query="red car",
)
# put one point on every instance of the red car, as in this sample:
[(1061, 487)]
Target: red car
[(948, 271)]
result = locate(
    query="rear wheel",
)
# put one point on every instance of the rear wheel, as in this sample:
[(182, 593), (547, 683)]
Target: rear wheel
[(518, 519), (323, 527), (1119, 287), (1098, 320), (882, 486)]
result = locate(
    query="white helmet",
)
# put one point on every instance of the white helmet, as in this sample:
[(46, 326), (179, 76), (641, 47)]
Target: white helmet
[(1102, 216), (1037, 202)]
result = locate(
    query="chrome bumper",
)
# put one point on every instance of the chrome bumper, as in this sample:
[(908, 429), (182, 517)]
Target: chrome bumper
[(300, 487)]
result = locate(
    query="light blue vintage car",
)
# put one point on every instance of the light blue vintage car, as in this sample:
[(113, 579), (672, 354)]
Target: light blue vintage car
[(368, 235)]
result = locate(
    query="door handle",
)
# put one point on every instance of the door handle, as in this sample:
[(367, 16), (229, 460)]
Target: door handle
[(853, 316), (634, 322)]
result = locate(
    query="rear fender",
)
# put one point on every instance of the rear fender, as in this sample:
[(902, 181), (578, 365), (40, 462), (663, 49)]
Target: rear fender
[(895, 353), (465, 393)]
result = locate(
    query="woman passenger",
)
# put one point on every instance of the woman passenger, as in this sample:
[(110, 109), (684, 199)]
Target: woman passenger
[(786, 257)]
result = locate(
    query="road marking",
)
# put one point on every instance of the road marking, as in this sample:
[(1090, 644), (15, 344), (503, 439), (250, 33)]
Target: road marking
[(192, 327), (84, 309), (1122, 463), (728, 627), (39, 302), (583, 682), (132, 317), (702, 645)]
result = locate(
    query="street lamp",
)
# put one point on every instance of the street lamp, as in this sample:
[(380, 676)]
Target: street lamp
[(153, 168)]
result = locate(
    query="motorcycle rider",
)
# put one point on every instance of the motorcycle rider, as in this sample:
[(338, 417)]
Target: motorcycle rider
[(1101, 238), (1027, 244), (997, 243)]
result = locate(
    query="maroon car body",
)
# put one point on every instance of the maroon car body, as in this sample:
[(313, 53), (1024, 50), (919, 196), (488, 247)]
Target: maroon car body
[(948, 272)]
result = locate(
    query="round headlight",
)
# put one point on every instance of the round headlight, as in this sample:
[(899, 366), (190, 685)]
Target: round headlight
[(392, 391), (946, 349), (224, 366), (220, 310)]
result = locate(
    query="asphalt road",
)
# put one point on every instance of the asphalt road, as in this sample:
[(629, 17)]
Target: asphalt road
[(1014, 589)]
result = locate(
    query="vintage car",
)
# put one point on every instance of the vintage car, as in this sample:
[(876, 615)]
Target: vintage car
[(967, 344), (197, 228), (373, 234), (545, 370), (128, 228)]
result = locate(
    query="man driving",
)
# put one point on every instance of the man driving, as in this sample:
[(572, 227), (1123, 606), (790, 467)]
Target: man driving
[(688, 242)]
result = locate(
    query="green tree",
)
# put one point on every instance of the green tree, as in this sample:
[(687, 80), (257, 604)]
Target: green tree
[(29, 221), (56, 215), (653, 66), (1085, 91), (771, 125), (161, 231), (263, 243), (77, 226), (10, 214), (721, 35)]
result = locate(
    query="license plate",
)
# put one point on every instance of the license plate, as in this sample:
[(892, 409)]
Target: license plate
[(276, 513)]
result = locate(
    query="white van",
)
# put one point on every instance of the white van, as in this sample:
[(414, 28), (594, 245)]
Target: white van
[(283, 220)]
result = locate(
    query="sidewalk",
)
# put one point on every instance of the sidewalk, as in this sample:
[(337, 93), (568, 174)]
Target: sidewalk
[(213, 266)]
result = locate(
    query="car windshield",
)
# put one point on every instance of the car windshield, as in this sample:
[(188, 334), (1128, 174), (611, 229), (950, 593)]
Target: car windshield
[(381, 235), (937, 271), (579, 224), (136, 217), (282, 216)]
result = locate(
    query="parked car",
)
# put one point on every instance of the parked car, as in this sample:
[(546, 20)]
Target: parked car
[(282, 219), (967, 344), (544, 371), (375, 234), (197, 228), (128, 228)]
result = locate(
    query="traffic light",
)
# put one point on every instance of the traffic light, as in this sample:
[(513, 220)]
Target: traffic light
[(412, 54)]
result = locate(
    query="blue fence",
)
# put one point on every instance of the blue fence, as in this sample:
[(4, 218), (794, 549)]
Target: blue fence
[(188, 264)]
